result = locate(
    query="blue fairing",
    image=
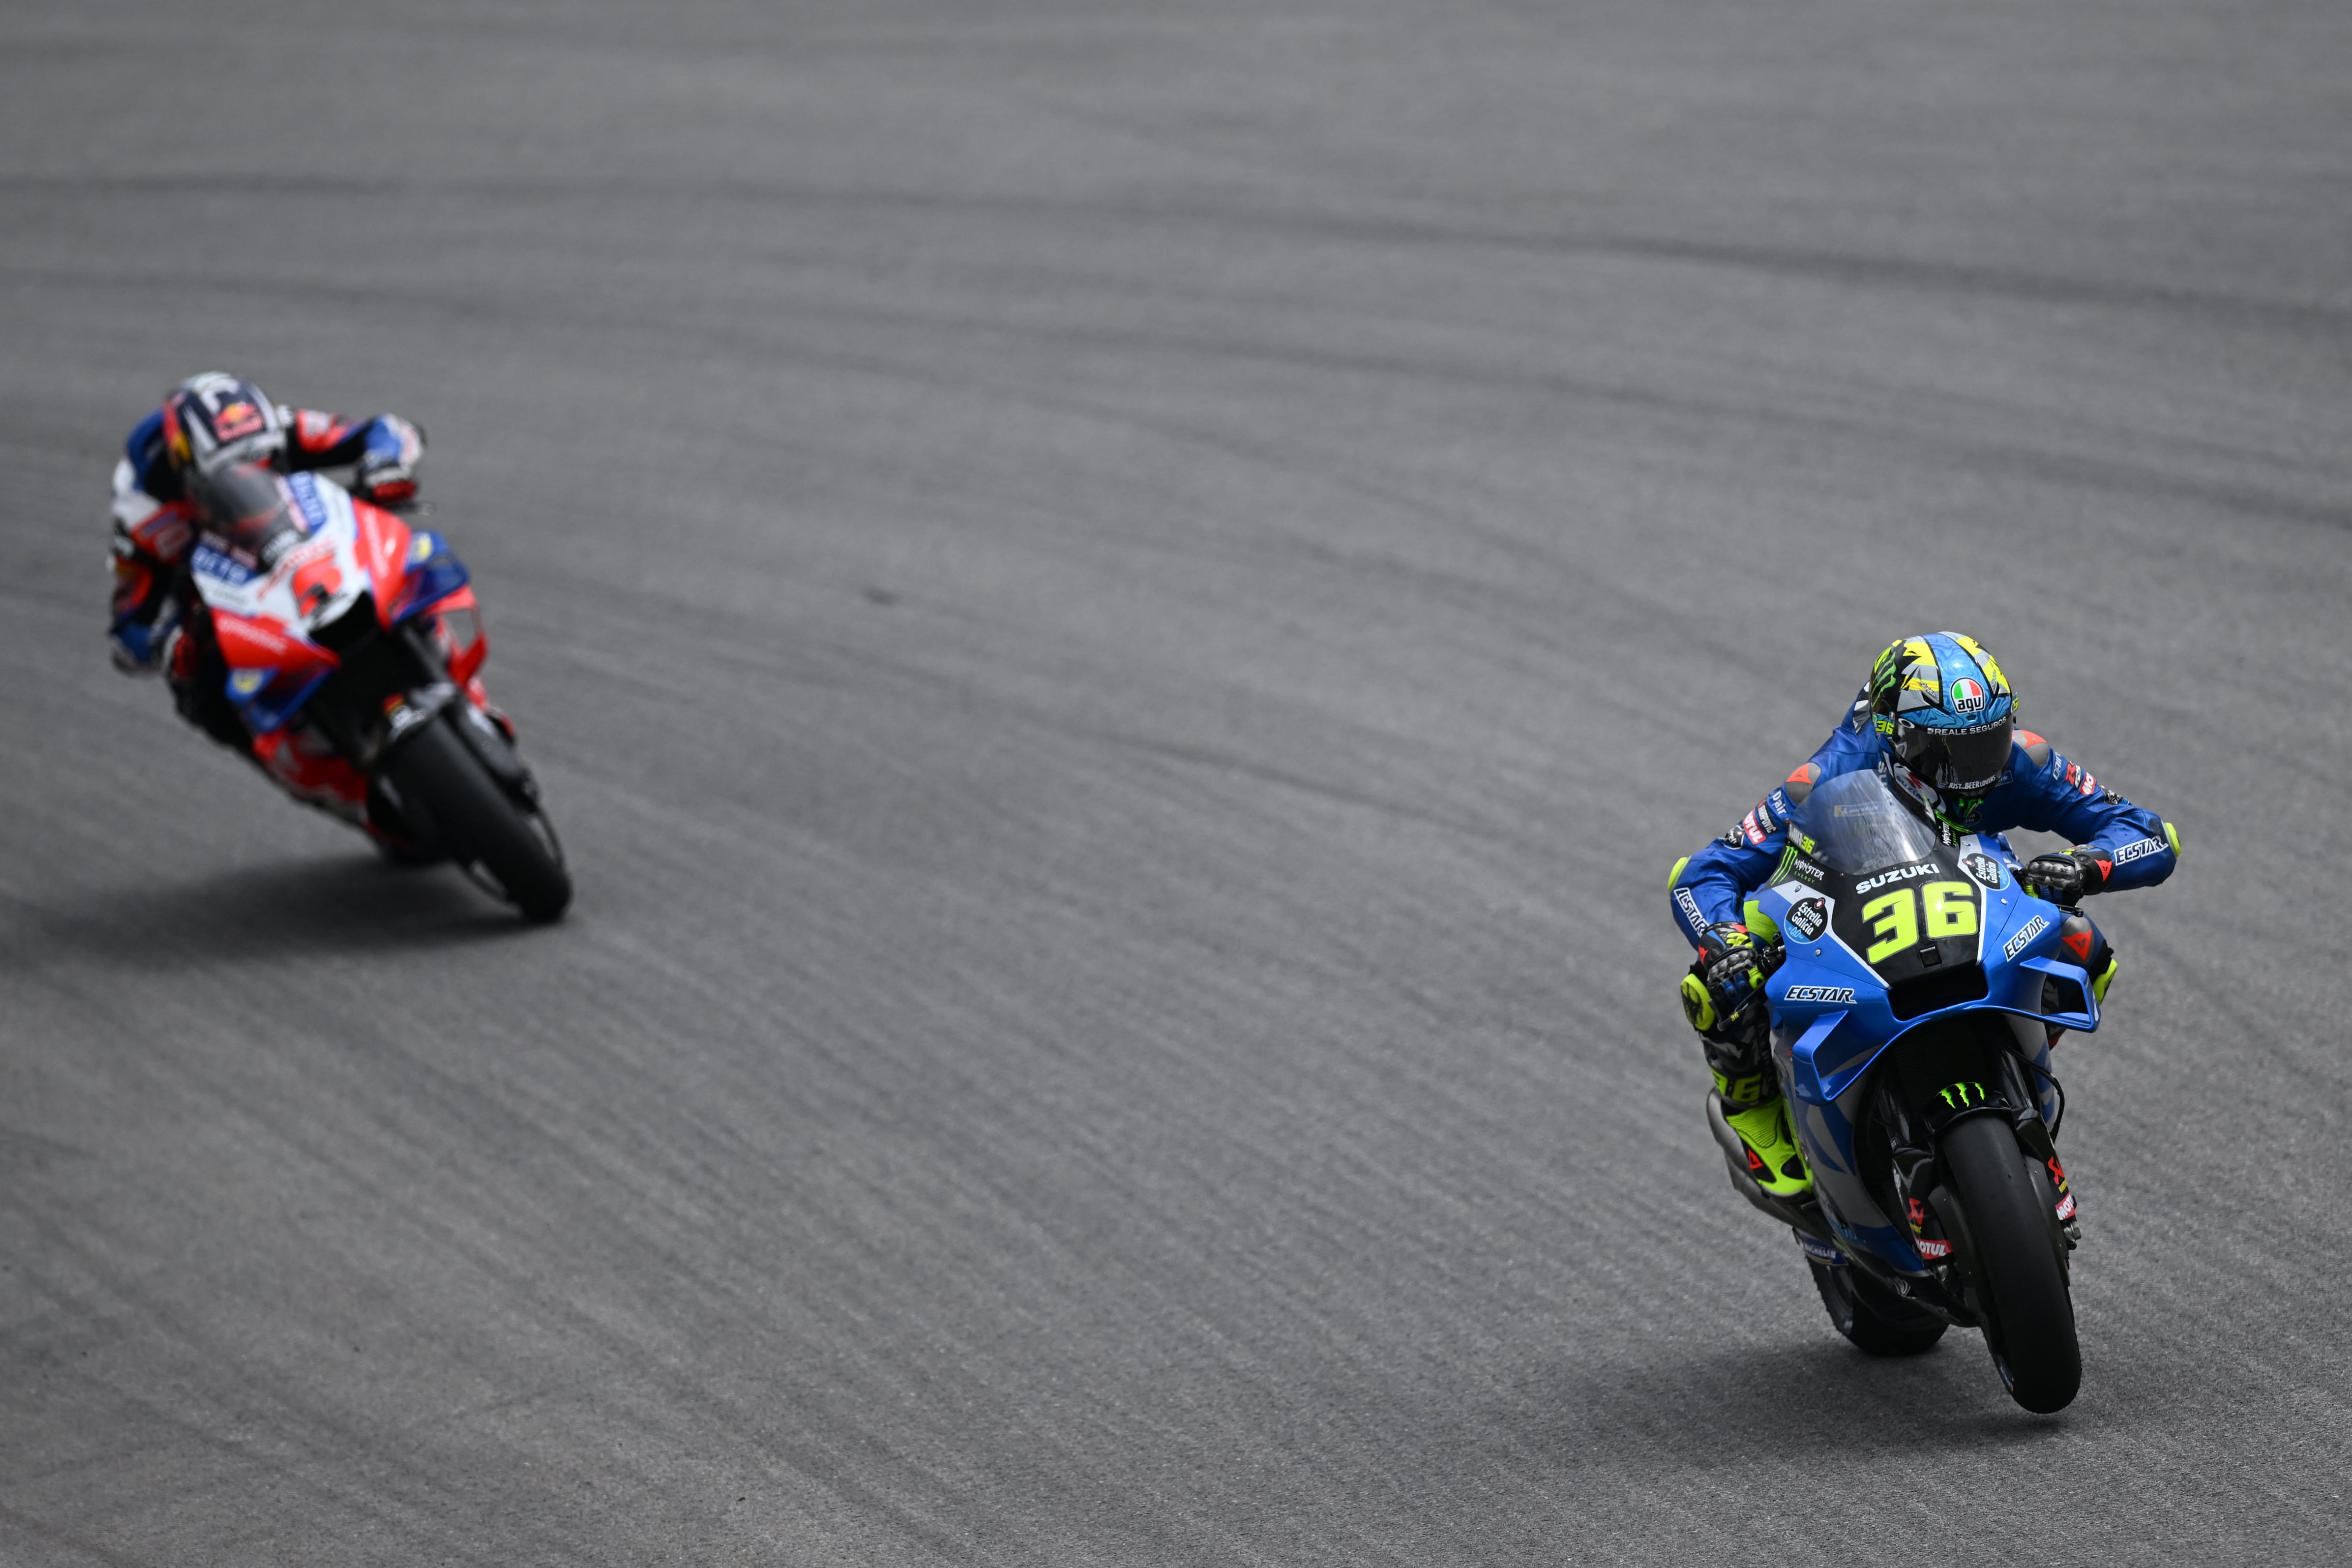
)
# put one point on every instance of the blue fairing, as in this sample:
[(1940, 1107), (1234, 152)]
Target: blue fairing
[(1833, 1019), (269, 706), (434, 573)]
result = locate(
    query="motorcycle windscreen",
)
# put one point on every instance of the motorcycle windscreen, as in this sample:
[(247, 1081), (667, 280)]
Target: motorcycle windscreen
[(1856, 825), (251, 508)]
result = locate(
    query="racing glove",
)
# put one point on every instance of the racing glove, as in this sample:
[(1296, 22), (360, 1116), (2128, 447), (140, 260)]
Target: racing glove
[(2068, 878), (386, 471), (1724, 978)]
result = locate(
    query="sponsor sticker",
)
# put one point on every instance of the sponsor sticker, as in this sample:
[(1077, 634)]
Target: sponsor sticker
[(315, 512), (246, 682), (1809, 917), (1819, 994), (2066, 1207), (1689, 906), (1982, 867), (1819, 1251), (1930, 1248), (1900, 873), (212, 563), (2024, 939), (2138, 849), (1968, 695)]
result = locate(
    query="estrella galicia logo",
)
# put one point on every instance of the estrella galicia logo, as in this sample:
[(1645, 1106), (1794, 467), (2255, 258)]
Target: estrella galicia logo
[(2024, 939), (1809, 917), (1819, 994), (1982, 867)]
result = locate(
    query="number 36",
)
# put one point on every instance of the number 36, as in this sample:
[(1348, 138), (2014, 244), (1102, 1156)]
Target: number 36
[(1894, 917)]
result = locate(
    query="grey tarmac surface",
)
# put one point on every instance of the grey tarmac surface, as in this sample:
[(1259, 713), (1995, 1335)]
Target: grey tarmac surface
[(1124, 607)]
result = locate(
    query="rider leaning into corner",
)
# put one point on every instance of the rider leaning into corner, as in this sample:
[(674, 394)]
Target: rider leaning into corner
[(1937, 721), (210, 427)]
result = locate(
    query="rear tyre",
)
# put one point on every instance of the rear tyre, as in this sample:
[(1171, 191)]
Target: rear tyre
[(2029, 1320), (1879, 1322), (435, 770)]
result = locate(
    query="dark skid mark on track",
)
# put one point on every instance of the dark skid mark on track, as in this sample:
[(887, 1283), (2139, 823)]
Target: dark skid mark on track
[(1942, 280)]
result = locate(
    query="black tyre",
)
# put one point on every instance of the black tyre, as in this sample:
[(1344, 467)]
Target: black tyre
[(439, 777), (2014, 1256), (1879, 1322)]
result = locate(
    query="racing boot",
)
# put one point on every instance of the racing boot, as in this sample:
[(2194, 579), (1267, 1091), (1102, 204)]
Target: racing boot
[(1774, 1160)]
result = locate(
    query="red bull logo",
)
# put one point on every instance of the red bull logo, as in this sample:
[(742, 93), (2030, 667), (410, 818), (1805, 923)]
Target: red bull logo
[(236, 419)]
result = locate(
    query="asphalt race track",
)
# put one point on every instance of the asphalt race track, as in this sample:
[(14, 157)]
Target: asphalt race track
[(1124, 607)]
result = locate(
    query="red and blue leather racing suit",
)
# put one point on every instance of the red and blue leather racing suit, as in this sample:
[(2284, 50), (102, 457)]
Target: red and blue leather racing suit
[(157, 622), (2044, 791)]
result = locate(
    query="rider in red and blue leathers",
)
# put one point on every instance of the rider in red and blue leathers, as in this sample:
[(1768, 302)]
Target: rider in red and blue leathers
[(210, 423), (1937, 721)]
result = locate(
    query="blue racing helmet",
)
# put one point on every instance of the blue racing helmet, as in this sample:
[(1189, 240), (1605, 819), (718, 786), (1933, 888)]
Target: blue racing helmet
[(1944, 713)]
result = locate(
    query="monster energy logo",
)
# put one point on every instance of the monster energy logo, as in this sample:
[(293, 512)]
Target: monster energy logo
[(1958, 1096)]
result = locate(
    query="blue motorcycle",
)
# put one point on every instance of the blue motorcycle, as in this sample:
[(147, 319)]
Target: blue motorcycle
[(1915, 987)]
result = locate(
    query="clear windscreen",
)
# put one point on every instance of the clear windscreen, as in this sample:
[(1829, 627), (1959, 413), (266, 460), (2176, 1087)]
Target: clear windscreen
[(248, 506), (1857, 825)]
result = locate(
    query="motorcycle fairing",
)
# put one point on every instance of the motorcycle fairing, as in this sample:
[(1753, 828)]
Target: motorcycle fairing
[(264, 619), (430, 573), (1835, 1015)]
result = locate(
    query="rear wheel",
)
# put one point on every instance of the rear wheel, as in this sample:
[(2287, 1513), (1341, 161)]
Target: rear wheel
[(1879, 1322), (2014, 1254), (439, 776)]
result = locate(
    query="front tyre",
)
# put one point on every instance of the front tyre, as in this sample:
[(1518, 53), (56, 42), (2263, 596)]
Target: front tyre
[(2014, 1250), (435, 770), (1875, 1319)]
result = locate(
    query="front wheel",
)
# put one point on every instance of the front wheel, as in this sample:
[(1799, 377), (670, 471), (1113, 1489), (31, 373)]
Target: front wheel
[(1875, 1319), (2014, 1254), (439, 777)]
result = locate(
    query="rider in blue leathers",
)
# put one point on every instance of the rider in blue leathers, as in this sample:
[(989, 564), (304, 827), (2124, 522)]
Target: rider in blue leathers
[(1937, 720)]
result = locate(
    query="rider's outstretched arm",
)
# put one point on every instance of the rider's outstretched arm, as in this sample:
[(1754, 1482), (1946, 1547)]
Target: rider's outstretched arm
[(1710, 888), (2137, 847), (383, 450)]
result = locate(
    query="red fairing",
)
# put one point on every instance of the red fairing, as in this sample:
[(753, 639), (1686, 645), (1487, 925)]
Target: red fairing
[(307, 768), (384, 551), (249, 644), (457, 620)]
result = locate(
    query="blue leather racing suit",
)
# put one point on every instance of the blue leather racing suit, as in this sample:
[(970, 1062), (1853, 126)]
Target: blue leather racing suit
[(2042, 791)]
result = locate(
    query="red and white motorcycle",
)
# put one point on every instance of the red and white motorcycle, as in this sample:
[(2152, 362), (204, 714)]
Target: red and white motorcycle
[(354, 648)]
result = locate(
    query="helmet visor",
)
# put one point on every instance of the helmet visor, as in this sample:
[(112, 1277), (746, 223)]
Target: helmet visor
[(1962, 762)]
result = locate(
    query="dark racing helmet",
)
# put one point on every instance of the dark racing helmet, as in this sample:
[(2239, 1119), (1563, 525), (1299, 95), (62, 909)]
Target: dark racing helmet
[(214, 420), (1943, 714)]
